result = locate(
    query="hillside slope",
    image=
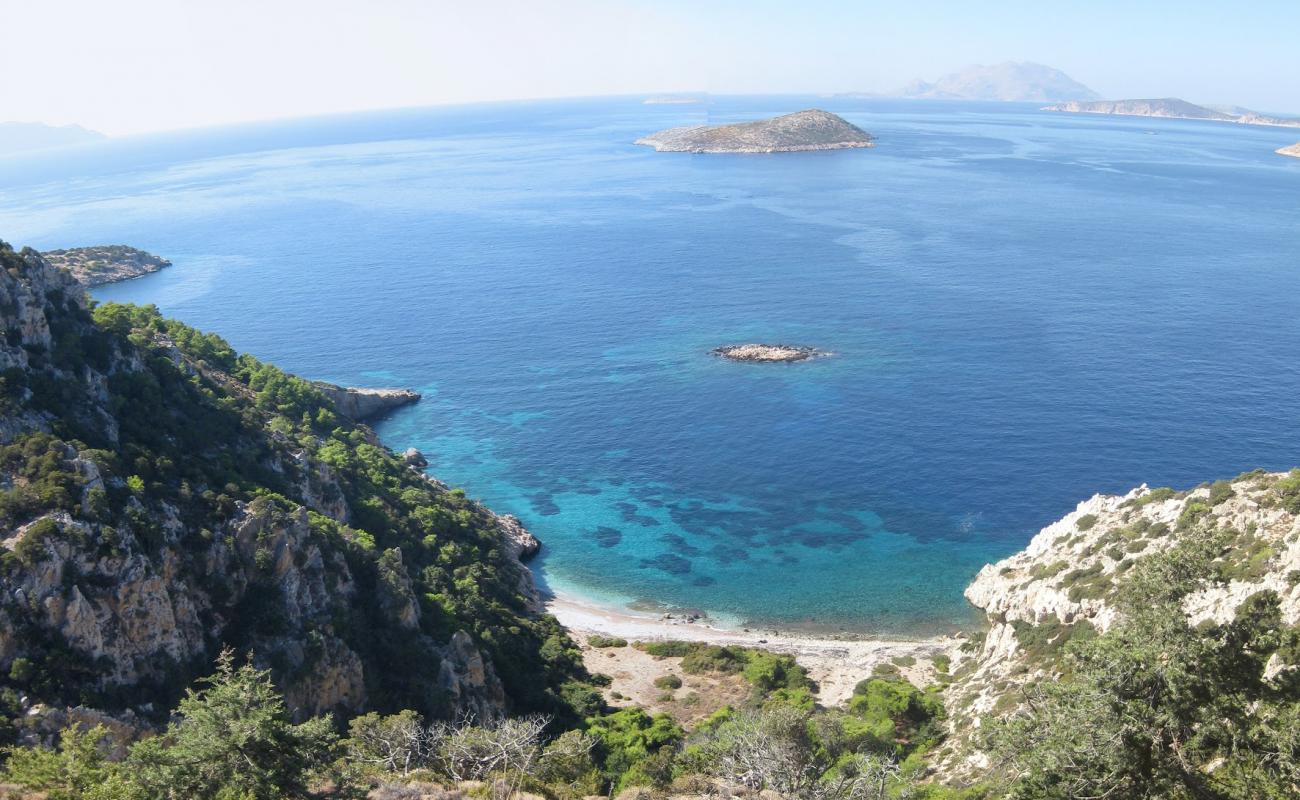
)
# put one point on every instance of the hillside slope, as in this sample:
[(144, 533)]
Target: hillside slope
[(162, 497), (1074, 586)]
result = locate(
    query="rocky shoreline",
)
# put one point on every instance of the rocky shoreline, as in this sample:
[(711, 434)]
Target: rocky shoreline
[(101, 264), (767, 353), (360, 404)]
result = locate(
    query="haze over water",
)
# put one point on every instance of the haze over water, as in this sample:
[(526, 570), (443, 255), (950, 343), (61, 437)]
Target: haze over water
[(1025, 309)]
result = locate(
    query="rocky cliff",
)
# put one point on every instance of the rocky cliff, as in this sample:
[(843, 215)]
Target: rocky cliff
[(1064, 584), (804, 130), (162, 497), (360, 404)]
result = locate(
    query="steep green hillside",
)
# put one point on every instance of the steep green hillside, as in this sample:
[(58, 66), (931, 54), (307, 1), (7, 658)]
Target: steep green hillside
[(162, 496)]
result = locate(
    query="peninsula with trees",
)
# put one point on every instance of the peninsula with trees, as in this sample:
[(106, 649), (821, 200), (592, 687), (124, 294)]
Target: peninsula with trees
[(108, 263), (812, 129)]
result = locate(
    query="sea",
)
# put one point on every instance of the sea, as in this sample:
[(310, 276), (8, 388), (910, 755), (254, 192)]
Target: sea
[(1024, 309)]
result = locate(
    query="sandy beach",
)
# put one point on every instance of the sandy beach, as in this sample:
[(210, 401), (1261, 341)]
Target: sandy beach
[(836, 664)]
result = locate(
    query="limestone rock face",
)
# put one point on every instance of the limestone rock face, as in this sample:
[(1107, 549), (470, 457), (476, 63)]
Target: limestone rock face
[(22, 306), (414, 458), (363, 404), (1068, 575), (521, 545)]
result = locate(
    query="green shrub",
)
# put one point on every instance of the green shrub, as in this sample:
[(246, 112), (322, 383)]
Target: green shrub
[(667, 649), (1288, 491), (1220, 491), (1041, 571), (31, 547), (1193, 511), (668, 682), (900, 715), (599, 641), (1086, 522), (1157, 495)]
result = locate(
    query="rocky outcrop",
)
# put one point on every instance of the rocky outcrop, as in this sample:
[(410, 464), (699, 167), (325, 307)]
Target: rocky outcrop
[(360, 404), (1171, 108), (804, 130), (94, 266), (767, 353), (23, 299), (1064, 582), (521, 546), (1292, 150)]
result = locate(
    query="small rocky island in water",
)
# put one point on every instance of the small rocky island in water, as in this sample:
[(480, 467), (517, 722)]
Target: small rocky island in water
[(108, 263), (768, 353), (804, 130), (1293, 150)]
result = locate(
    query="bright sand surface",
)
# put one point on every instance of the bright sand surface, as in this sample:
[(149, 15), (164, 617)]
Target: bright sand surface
[(837, 665)]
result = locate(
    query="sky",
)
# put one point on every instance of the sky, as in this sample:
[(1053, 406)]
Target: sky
[(131, 66)]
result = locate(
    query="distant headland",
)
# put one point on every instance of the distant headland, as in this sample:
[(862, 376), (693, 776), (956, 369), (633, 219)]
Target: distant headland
[(109, 263), (767, 353), (1172, 108), (813, 129), (1293, 150), (673, 100)]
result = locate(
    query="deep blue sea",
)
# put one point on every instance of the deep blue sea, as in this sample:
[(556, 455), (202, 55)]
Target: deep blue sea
[(1025, 309)]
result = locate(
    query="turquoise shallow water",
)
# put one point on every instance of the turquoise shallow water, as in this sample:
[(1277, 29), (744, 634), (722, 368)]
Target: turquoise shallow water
[(1025, 309)]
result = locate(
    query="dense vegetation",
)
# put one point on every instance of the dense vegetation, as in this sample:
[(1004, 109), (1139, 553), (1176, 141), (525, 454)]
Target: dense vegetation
[(232, 737)]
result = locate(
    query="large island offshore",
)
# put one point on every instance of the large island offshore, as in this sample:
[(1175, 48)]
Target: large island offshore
[(812, 129)]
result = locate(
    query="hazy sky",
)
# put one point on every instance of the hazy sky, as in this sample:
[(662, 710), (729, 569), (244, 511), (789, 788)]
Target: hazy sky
[(125, 66)]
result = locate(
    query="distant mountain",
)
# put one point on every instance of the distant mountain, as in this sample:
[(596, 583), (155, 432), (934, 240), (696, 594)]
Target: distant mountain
[(18, 137), (1011, 81), (813, 129), (1172, 108)]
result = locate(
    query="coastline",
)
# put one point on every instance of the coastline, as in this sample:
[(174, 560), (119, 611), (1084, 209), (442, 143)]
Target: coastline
[(836, 664)]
